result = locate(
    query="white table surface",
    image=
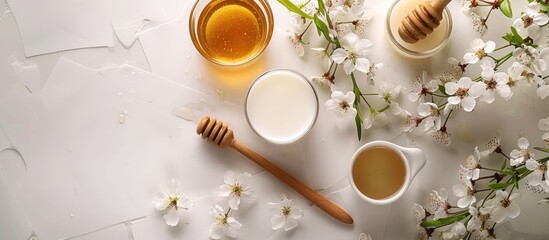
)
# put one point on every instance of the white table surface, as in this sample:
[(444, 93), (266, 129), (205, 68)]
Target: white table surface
[(69, 169)]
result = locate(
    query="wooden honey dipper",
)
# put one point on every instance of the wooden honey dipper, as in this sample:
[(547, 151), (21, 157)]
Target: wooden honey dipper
[(422, 21), (218, 133)]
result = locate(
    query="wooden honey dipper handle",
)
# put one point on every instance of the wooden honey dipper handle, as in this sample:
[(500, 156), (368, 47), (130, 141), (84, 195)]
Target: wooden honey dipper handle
[(422, 21), (216, 132)]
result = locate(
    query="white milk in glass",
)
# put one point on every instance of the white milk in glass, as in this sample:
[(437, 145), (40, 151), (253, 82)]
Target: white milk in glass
[(281, 106)]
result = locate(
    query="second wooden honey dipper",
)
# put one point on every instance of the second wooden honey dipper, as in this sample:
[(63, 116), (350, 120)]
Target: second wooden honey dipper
[(422, 21), (216, 132)]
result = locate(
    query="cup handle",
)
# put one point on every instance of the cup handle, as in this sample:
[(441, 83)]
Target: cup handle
[(416, 159)]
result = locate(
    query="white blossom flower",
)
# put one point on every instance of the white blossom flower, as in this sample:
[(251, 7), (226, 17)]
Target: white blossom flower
[(421, 86), (464, 93), (352, 52), (471, 169), (325, 81), (522, 154), (528, 25), (287, 214), (531, 58), (493, 145), (466, 6), (322, 53), (441, 136), (431, 115), (437, 204), (452, 231), (516, 74), (504, 206), (410, 122), (466, 194), (374, 118), (539, 176), (342, 104), (223, 225), (171, 202), (364, 236), (479, 23), (479, 50), (457, 66), (389, 93), (494, 81), (362, 21), (237, 188), (296, 39), (480, 221), (374, 67)]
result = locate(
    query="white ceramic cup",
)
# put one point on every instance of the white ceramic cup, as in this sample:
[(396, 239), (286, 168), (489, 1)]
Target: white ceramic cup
[(412, 158)]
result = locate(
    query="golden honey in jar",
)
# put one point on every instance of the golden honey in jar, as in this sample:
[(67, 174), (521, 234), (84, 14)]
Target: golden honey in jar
[(232, 31)]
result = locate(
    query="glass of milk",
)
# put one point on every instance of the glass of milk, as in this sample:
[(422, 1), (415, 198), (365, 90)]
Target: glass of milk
[(281, 106)]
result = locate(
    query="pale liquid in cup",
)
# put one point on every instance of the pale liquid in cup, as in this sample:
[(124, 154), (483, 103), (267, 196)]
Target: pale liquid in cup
[(434, 39), (281, 106), (379, 172)]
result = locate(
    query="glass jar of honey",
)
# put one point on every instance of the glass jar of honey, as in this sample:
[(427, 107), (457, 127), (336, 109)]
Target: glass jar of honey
[(231, 32)]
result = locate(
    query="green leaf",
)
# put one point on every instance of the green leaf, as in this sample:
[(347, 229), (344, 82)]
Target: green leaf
[(498, 186), (293, 8), (522, 170), (517, 39), (505, 8), (321, 7), (442, 90), (542, 149), (358, 122), (544, 7), (444, 221), (509, 38), (322, 28)]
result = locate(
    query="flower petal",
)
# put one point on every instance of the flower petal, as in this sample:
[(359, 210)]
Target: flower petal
[(513, 210), (363, 65), (543, 91), (290, 224), (171, 217), (477, 89), (159, 201), (451, 87), (468, 104), (470, 58), (277, 221), (348, 66), (339, 55), (362, 46), (229, 177), (234, 201), (216, 231), (523, 143), (348, 41), (489, 47), (499, 215)]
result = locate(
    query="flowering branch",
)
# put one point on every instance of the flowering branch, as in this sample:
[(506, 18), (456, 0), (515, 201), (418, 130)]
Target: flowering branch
[(341, 23), (477, 213), (523, 53)]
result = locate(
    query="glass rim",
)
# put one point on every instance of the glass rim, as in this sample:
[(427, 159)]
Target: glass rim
[(311, 124), (418, 54), (266, 11)]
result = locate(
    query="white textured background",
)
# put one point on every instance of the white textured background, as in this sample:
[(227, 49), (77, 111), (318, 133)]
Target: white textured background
[(69, 169)]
